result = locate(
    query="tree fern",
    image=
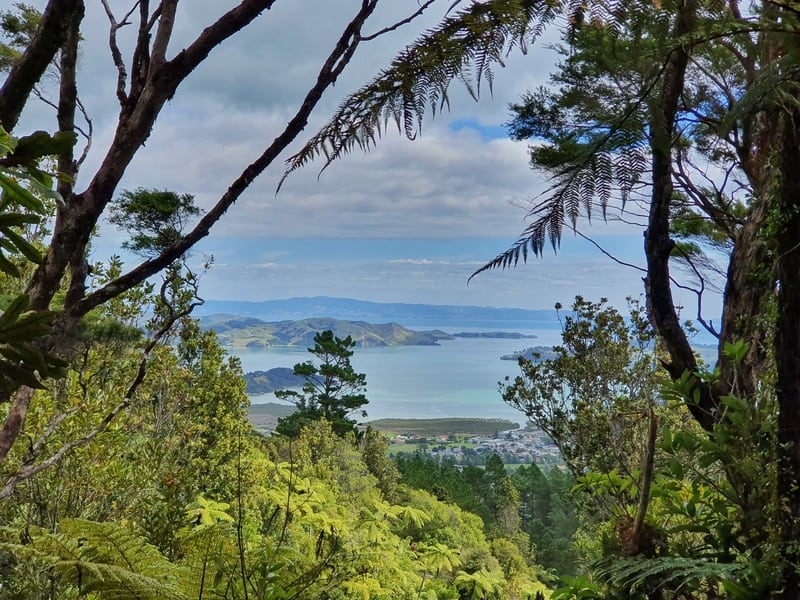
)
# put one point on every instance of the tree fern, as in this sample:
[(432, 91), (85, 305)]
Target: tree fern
[(594, 123), (578, 188), (104, 559)]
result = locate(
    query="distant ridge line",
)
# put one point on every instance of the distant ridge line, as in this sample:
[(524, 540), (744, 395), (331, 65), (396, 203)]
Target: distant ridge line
[(353, 309)]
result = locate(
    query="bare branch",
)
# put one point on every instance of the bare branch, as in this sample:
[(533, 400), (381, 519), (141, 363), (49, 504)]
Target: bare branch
[(708, 326), (86, 133), (336, 61), (166, 23), (608, 254), (116, 55), (398, 24)]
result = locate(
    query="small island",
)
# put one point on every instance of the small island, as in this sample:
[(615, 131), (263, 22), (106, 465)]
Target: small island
[(266, 382), (501, 335), (535, 353)]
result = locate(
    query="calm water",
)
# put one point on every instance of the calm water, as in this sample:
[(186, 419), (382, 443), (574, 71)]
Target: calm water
[(456, 379)]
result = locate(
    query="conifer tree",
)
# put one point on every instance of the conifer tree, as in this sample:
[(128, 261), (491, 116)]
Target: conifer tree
[(332, 391)]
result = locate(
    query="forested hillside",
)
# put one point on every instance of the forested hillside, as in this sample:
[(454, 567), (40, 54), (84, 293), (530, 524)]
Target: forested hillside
[(181, 499)]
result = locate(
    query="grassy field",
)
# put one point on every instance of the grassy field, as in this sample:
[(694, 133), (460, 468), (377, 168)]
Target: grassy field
[(433, 427), (267, 415)]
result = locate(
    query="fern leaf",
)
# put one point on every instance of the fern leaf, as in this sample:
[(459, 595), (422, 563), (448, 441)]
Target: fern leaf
[(464, 46), (104, 559), (663, 573)]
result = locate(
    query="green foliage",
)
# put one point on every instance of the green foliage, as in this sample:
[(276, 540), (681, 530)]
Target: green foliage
[(480, 585), (443, 480), (593, 398), (17, 26), (646, 577), (332, 389), (548, 516), (205, 513), (103, 560), (177, 500), (375, 454), (154, 219), (579, 588), (23, 361)]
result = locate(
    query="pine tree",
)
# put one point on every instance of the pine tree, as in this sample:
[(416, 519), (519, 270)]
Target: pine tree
[(332, 391)]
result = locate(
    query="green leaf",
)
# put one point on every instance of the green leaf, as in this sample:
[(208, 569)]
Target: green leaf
[(24, 246), (6, 266), (14, 310), (18, 219), (16, 193)]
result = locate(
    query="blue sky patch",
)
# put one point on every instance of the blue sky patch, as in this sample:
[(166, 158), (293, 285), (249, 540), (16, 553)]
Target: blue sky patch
[(487, 132)]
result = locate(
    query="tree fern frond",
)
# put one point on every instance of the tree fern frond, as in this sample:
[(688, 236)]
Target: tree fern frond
[(464, 46), (105, 559), (603, 169), (586, 189), (571, 199), (507, 259), (668, 572), (547, 227)]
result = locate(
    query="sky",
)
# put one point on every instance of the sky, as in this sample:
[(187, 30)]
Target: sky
[(407, 222)]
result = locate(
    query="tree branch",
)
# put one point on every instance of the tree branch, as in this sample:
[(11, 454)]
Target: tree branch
[(398, 24), (50, 37), (336, 61), (116, 55)]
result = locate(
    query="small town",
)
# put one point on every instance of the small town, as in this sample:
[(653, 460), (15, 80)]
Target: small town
[(523, 446)]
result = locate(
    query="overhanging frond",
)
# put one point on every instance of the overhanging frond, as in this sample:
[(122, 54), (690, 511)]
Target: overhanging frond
[(464, 46), (668, 572), (105, 560), (579, 187)]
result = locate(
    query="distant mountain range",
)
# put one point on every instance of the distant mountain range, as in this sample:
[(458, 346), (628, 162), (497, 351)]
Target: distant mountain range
[(410, 315)]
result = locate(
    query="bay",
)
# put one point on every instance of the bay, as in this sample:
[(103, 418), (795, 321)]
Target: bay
[(458, 378)]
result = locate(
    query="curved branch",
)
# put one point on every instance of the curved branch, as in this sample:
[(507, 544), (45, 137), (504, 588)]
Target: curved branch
[(395, 26)]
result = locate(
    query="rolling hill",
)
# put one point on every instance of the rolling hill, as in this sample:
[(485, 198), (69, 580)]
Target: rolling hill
[(249, 332)]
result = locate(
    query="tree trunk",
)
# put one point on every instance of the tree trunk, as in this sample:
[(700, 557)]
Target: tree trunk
[(645, 480), (658, 245), (787, 350)]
